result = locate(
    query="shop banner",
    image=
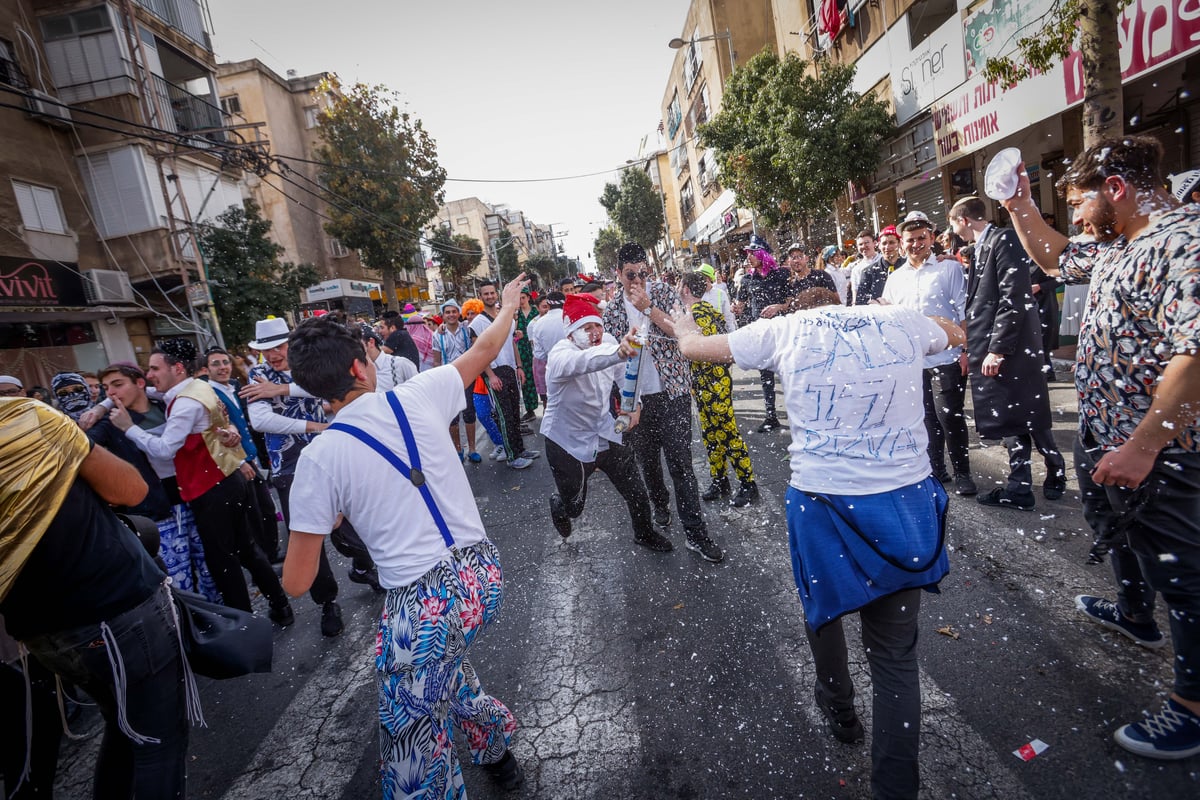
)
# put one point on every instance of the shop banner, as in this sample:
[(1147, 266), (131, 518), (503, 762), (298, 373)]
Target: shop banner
[(1152, 33), (32, 282), (339, 287), (929, 70)]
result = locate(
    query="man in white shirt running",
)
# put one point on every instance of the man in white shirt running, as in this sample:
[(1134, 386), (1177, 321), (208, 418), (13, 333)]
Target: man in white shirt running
[(578, 424), (441, 571)]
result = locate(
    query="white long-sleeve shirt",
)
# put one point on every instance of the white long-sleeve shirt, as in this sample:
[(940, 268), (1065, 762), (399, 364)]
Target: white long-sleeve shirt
[(578, 388), (185, 416), (544, 332)]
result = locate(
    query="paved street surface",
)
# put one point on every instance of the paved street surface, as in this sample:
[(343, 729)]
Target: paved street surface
[(643, 675)]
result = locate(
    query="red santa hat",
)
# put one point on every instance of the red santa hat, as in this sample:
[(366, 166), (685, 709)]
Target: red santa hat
[(580, 308)]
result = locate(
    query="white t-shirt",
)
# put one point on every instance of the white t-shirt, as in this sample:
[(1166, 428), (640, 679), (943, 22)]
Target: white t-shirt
[(391, 371), (546, 331), (718, 298), (339, 474), (852, 387), (578, 388), (506, 357)]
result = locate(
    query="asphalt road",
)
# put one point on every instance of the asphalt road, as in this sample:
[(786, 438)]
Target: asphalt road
[(643, 675)]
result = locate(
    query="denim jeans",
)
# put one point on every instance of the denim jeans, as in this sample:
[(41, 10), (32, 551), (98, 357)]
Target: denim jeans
[(889, 636), (153, 696), (1161, 551)]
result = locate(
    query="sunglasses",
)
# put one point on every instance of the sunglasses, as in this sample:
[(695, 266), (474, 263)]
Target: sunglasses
[(631, 275)]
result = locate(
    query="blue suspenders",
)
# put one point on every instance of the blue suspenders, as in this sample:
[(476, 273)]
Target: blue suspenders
[(413, 473)]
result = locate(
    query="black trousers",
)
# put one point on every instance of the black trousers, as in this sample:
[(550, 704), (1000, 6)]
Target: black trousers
[(767, 377), (507, 403), (944, 389), (324, 587), (263, 510), (618, 463), (666, 428), (223, 520), (1020, 464)]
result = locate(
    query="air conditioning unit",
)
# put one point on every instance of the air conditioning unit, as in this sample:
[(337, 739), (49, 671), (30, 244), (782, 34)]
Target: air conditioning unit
[(102, 286), (47, 109)]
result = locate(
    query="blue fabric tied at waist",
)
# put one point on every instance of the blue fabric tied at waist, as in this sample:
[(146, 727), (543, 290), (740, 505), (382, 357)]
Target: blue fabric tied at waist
[(899, 544)]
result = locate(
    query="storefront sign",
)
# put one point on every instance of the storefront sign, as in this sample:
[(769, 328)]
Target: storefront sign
[(928, 71), (1152, 33), (339, 287), (31, 282)]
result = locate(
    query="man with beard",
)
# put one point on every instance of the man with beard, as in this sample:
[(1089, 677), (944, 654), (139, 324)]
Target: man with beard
[(1004, 343), (578, 425), (868, 275), (664, 383), (1138, 378)]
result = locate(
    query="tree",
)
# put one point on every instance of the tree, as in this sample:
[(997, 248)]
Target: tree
[(245, 275), (635, 208), (608, 242), (788, 141), (545, 267), (383, 179), (1093, 23), (456, 256), (506, 255)]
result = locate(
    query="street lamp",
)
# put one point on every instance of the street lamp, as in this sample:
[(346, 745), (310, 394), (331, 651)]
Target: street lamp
[(677, 43)]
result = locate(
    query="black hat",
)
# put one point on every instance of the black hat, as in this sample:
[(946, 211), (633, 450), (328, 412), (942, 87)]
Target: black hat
[(631, 253)]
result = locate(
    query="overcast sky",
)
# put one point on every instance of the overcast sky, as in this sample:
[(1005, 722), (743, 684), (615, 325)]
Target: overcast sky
[(518, 90)]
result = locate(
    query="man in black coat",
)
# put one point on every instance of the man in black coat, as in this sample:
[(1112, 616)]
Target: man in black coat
[(1004, 346)]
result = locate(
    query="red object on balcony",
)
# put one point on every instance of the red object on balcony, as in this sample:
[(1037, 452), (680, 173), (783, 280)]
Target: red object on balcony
[(830, 18)]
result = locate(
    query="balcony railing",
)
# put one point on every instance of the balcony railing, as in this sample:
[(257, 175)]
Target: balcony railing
[(188, 112), (183, 15)]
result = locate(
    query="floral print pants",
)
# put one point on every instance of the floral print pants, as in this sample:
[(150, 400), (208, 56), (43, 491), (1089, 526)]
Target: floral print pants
[(426, 683)]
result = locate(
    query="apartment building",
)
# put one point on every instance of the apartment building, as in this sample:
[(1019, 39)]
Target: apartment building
[(716, 36), (484, 222), (926, 58), (115, 147), (286, 109)]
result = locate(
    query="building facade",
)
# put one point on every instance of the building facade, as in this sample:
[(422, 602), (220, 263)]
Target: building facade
[(115, 149)]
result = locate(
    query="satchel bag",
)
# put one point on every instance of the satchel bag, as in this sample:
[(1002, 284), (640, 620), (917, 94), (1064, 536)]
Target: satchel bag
[(222, 642)]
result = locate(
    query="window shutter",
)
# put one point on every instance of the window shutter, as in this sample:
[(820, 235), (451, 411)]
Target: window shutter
[(116, 185), (48, 209)]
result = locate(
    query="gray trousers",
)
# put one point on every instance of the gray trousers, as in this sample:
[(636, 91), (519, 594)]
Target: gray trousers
[(889, 636)]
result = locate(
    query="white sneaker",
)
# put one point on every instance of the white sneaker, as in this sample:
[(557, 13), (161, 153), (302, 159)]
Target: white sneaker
[(520, 463), (498, 453)]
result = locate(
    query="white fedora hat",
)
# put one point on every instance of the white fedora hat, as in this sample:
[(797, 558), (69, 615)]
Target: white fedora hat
[(269, 332)]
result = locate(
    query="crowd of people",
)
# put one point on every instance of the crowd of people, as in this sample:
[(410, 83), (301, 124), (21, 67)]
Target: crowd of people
[(331, 426)]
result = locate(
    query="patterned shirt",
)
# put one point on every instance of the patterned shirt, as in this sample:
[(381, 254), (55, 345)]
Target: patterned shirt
[(1143, 309), (284, 448), (711, 323), (672, 369)]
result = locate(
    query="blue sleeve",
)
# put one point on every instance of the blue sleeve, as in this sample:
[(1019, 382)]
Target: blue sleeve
[(235, 416)]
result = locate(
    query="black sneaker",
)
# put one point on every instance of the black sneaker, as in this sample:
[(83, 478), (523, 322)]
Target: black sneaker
[(1002, 498), (529, 416), (367, 577), (1171, 734), (525, 430), (964, 486), (719, 488), (1054, 488), (331, 619), (706, 547), (653, 540), (506, 772), (769, 424), (943, 476), (844, 725), (662, 517), (1105, 612), (558, 515), (281, 612), (747, 494)]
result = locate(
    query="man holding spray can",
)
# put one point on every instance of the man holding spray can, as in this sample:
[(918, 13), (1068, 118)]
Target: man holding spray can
[(578, 425)]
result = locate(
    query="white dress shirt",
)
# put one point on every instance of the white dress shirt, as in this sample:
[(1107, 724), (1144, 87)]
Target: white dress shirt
[(578, 388), (185, 416), (935, 289)]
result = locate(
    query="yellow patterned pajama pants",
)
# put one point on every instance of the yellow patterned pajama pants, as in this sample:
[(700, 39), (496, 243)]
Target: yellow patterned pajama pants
[(713, 390)]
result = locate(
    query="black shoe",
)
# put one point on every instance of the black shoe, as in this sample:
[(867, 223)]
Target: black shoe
[(506, 772), (529, 416), (653, 540), (367, 577), (1002, 498), (526, 430), (844, 725), (747, 494), (1054, 488), (719, 488), (943, 476), (558, 515), (662, 518), (281, 612), (331, 619), (706, 547), (769, 424), (964, 486)]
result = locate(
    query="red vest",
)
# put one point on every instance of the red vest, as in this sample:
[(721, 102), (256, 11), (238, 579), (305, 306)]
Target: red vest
[(203, 462)]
